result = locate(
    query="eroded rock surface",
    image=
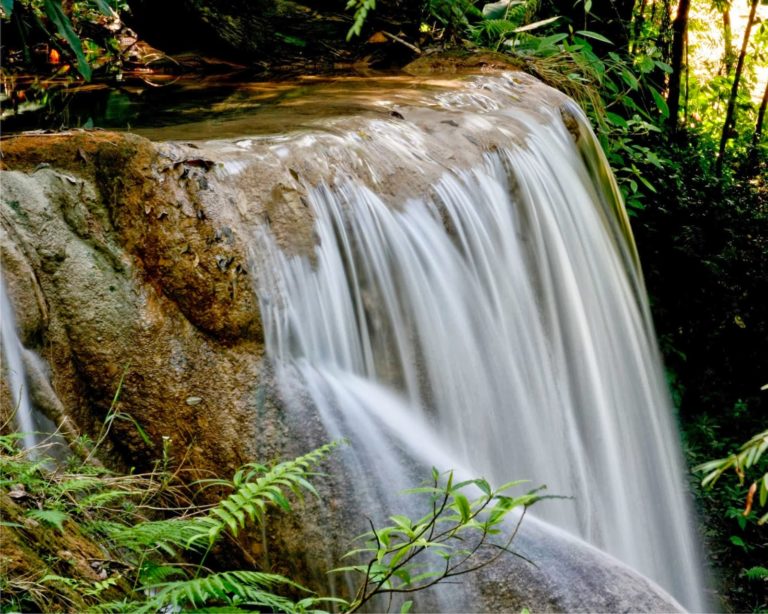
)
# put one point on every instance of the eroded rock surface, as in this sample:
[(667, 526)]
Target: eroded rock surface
[(116, 269)]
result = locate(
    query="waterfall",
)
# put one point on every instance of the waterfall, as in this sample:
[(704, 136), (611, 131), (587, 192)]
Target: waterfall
[(493, 320), (13, 368)]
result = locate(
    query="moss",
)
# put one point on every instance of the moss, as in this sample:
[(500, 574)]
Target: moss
[(44, 569), (459, 60)]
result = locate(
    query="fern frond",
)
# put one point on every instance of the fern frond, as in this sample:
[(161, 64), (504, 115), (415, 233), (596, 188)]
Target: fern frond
[(227, 588), (254, 493), (494, 28), (101, 499), (79, 484), (757, 573), (117, 607), (54, 518), (151, 573), (165, 535)]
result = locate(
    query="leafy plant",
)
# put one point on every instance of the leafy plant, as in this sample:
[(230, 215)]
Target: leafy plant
[(460, 524), (361, 8), (463, 521), (748, 456), (64, 21)]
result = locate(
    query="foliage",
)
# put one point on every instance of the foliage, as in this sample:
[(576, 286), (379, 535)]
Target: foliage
[(456, 530), (748, 456), (33, 18), (106, 507), (361, 8), (163, 560)]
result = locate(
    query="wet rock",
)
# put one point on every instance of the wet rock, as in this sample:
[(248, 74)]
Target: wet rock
[(136, 273)]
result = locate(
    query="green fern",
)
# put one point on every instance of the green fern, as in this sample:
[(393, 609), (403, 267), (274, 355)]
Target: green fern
[(79, 484), (162, 535), (151, 573), (100, 499), (757, 573), (8, 443), (54, 518), (494, 29), (362, 8), (254, 492), (228, 588)]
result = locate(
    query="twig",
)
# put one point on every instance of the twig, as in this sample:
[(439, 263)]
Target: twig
[(397, 39)]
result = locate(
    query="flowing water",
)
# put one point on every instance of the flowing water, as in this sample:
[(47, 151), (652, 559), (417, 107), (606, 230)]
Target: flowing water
[(493, 319), (13, 366)]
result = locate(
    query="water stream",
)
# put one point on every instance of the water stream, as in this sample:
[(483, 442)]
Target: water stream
[(493, 320), (13, 366)]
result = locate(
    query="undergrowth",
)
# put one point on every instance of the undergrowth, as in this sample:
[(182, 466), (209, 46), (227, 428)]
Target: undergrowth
[(86, 539)]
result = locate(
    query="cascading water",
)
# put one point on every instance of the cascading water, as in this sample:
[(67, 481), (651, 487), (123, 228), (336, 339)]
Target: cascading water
[(13, 366), (495, 321)]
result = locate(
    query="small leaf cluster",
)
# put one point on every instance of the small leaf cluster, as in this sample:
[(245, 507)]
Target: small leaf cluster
[(746, 458), (462, 522)]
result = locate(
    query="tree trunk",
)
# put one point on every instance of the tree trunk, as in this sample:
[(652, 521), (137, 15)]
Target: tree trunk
[(679, 29), (758, 135), (760, 118), (638, 22), (729, 114), (728, 54)]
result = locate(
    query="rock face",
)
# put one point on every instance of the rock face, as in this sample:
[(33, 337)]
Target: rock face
[(116, 269), (129, 266)]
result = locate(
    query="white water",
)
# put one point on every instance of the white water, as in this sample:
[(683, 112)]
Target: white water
[(494, 315), (13, 367)]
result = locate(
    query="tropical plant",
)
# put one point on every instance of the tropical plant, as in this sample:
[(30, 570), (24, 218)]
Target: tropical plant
[(746, 458), (457, 529), (163, 560), (62, 20)]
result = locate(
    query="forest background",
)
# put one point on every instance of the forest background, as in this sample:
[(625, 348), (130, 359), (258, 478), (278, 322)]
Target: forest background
[(677, 93)]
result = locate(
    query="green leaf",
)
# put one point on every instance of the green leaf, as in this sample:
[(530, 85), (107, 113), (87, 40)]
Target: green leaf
[(462, 506), (537, 24), (401, 521), (291, 40), (737, 541), (616, 120), (54, 518), (484, 486), (551, 41), (756, 573), (509, 485), (594, 36), (661, 104), (61, 21), (406, 607), (500, 9), (629, 79), (104, 7)]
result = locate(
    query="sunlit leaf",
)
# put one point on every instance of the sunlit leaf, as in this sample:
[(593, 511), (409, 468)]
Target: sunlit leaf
[(594, 36), (661, 104), (104, 7), (537, 24), (61, 21), (499, 10)]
